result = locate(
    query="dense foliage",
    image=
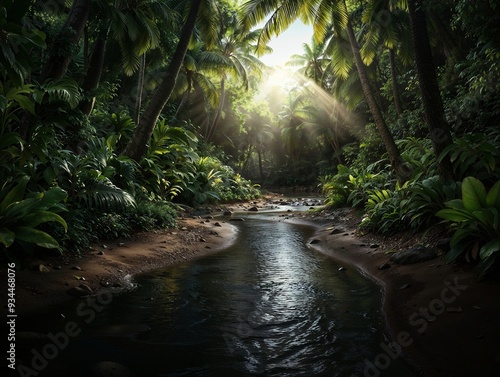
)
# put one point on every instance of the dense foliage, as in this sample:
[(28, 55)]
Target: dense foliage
[(114, 112)]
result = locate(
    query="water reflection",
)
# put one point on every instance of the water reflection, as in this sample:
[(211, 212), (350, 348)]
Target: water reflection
[(268, 306)]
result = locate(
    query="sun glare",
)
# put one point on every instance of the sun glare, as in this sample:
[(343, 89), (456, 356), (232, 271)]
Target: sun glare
[(281, 81)]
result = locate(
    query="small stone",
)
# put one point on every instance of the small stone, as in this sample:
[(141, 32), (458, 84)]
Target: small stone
[(86, 288), (314, 241), (57, 267), (238, 219), (201, 239), (78, 268), (207, 247), (477, 307), (184, 228), (41, 268), (374, 246), (121, 244), (384, 266), (336, 231), (342, 269), (405, 286), (227, 213), (217, 224), (104, 246), (77, 292), (100, 253), (254, 209), (413, 255)]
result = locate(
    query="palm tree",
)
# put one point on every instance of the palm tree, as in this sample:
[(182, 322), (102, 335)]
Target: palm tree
[(69, 35), (312, 61), (233, 55), (325, 14), (133, 24), (439, 128), (385, 25), (138, 145)]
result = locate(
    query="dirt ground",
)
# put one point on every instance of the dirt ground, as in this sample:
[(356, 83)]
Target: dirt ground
[(442, 319)]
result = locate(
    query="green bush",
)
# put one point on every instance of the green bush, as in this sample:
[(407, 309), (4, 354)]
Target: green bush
[(476, 219), (22, 214)]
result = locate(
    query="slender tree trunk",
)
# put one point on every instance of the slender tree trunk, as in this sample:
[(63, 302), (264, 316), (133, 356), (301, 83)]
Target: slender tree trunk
[(439, 128), (213, 126), (93, 76), (261, 169), (397, 163), (395, 91), (69, 36), (138, 145), (140, 87), (185, 96)]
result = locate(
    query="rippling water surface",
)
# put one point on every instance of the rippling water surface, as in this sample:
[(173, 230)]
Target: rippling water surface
[(268, 306)]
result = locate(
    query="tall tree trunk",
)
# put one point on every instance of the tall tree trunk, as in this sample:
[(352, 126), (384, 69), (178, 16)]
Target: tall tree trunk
[(189, 75), (140, 88), (69, 35), (213, 126), (261, 168), (138, 145), (395, 91), (93, 76), (439, 128), (397, 163)]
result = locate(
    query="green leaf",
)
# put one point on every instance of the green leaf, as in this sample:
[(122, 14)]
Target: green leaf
[(490, 248), (42, 239), (15, 195), (40, 217), (473, 194), (455, 204), (7, 237), (454, 215), (493, 196)]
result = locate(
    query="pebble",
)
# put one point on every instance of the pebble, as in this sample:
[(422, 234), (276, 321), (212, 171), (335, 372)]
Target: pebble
[(404, 286)]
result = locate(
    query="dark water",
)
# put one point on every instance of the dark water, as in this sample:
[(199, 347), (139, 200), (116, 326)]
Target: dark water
[(268, 306)]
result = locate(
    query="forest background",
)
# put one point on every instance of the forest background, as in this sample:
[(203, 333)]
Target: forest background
[(116, 114)]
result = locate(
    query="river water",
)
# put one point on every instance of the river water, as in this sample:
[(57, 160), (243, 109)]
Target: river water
[(267, 306)]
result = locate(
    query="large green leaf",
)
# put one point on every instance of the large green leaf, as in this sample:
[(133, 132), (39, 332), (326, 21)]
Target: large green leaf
[(490, 248), (493, 196), (455, 215), (473, 194), (42, 239), (15, 195), (41, 217), (7, 237)]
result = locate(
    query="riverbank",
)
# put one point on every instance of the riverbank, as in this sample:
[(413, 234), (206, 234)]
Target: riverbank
[(47, 281), (442, 318)]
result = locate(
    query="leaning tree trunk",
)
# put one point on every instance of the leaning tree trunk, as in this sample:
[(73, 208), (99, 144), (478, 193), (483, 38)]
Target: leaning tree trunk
[(213, 126), (93, 76), (392, 150), (395, 91), (138, 145), (69, 36), (140, 88), (439, 128)]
